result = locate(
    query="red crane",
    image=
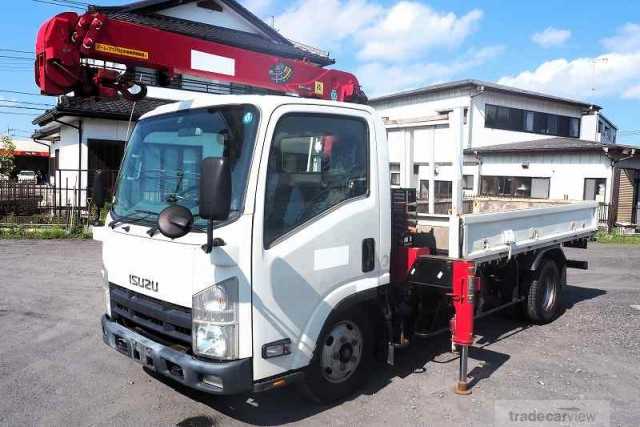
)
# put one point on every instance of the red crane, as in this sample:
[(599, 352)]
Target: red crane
[(67, 41)]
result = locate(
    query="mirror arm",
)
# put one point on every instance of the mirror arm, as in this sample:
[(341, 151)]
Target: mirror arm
[(211, 242), (209, 246)]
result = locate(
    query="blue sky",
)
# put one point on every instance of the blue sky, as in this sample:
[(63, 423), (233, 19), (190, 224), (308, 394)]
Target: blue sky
[(577, 49)]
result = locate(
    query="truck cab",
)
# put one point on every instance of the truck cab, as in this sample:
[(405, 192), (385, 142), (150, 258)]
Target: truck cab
[(274, 291)]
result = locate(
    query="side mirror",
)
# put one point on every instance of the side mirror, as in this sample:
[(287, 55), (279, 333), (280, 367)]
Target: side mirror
[(99, 189), (215, 189)]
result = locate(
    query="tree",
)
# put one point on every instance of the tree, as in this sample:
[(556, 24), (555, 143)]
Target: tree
[(7, 151)]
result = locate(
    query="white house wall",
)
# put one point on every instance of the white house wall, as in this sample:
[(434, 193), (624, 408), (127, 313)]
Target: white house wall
[(567, 171), (589, 128), (228, 18), (68, 149), (434, 142), (422, 105)]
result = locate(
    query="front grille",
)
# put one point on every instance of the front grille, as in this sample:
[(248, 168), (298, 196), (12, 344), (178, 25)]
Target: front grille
[(169, 322)]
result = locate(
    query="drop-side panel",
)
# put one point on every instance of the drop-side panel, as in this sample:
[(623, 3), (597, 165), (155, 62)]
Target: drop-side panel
[(492, 235)]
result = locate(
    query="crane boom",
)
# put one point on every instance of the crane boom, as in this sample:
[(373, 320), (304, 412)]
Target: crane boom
[(67, 42)]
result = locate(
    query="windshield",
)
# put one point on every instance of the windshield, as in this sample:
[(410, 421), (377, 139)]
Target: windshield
[(162, 161)]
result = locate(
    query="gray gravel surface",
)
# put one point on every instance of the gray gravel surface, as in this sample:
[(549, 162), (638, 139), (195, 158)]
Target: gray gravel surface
[(55, 370)]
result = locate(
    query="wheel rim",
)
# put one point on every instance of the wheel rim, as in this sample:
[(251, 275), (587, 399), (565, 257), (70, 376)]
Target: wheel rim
[(550, 293), (341, 352)]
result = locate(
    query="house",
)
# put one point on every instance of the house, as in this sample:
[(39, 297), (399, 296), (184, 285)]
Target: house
[(518, 144), (30, 155), (89, 133)]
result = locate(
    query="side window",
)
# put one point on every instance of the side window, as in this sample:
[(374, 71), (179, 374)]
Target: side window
[(316, 162)]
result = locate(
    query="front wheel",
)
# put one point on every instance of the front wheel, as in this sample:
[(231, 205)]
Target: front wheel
[(343, 353)]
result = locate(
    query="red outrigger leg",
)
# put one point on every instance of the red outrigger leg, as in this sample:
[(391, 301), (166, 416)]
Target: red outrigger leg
[(465, 284)]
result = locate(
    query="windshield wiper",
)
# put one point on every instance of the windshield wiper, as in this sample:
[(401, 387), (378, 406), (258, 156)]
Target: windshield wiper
[(132, 216)]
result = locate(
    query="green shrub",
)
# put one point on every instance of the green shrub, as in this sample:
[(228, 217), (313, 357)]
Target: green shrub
[(615, 237), (44, 233)]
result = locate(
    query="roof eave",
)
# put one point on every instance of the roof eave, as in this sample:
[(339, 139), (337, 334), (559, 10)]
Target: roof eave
[(486, 86), (535, 150), (53, 116)]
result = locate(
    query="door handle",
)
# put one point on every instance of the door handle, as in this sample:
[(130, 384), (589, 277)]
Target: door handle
[(368, 255)]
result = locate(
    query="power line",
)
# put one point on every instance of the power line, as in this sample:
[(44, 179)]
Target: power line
[(17, 57), (55, 3), (18, 114), (18, 51), (41, 104), (76, 2), (23, 108), (20, 93)]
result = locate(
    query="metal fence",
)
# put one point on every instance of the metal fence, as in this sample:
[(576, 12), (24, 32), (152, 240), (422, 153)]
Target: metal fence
[(603, 213), (61, 201), (33, 203)]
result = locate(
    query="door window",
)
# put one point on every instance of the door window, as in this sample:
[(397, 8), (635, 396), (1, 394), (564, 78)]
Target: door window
[(316, 162)]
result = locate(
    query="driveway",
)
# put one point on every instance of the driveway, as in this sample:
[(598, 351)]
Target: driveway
[(55, 370)]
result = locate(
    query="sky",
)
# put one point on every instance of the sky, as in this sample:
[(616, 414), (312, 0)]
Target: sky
[(586, 50)]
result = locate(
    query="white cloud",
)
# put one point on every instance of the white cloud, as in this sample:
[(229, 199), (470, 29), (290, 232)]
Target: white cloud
[(611, 74), (382, 34), (379, 78), (627, 39), (409, 28), (632, 93), (325, 23), (551, 37)]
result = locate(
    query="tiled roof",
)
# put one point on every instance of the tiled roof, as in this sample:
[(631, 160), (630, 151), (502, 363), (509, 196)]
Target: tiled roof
[(104, 108), (549, 144), (143, 12), (481, 85)]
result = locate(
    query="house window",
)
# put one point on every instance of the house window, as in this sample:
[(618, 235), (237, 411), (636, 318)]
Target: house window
[(529, 121), (515, 186), (540, 188), (515, 119), (595, 189), (424, 189), (394, 168), (467, 182), (574, 127), (443, 190)]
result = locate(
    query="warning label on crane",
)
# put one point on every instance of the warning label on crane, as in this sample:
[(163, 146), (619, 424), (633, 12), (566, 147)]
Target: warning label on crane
[(122, 51)]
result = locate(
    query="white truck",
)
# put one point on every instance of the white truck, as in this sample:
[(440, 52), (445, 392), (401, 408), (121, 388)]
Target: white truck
[(251, 244)]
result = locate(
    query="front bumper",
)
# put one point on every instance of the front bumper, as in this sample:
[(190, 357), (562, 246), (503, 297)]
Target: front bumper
[(233, 377)]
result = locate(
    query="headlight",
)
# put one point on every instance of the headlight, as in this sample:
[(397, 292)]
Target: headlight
[(107, 292), (215, 321)]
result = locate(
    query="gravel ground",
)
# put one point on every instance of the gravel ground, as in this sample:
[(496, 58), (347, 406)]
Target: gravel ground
[(55, 370)]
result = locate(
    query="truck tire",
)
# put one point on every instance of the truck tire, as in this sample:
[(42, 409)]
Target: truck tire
[(341, 359), (543, 303)]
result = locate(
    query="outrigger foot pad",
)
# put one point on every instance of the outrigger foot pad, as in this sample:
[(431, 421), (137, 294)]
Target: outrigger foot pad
[(462, 388)]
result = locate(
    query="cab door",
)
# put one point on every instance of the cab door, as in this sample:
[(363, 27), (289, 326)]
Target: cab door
[(316, 226)]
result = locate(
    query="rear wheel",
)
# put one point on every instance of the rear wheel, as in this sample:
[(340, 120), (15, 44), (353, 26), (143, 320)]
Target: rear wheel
[(342, 355), (543, 299)]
